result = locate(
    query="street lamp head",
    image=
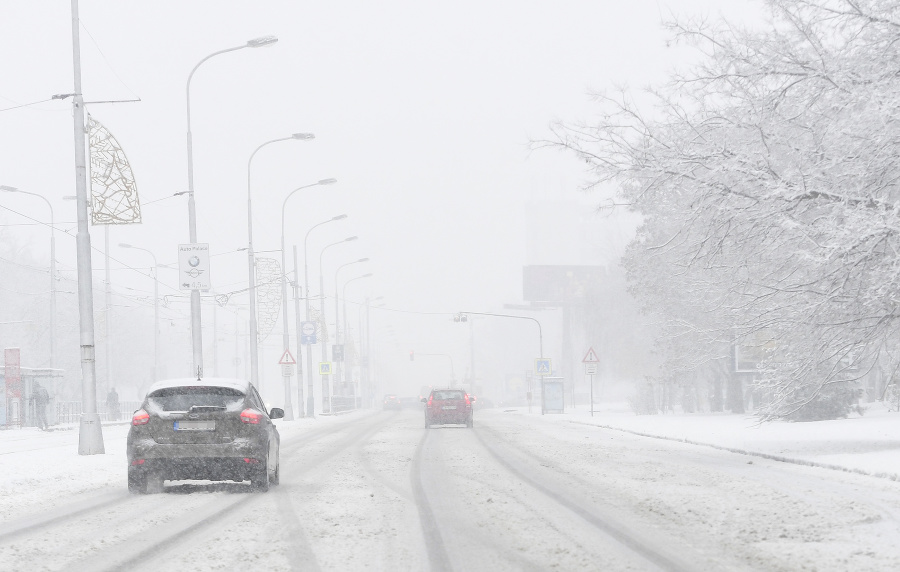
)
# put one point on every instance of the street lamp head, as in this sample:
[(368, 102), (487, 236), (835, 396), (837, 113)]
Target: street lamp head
[(350, 238), (363, 260), (125, 245), (339, 217), (303, 136), (327, 181), (366, 275), (8, 189), (262, 41)]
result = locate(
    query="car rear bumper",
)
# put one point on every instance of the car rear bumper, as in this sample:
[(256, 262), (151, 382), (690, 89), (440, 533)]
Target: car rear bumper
[(200, 468), (449, 417), (237, 460)]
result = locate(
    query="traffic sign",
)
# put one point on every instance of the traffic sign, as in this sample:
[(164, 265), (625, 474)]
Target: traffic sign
[(542, 366), (287, 369), (591, 357), (590, 368), (287, 358), (308, 333), (337, 352), (193, 266), (324, 368)]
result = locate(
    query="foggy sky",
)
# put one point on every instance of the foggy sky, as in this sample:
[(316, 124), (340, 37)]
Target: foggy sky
[(422, 111)]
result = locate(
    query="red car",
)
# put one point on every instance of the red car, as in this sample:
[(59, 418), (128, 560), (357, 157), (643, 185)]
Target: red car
[(391, 401), (448, 406)]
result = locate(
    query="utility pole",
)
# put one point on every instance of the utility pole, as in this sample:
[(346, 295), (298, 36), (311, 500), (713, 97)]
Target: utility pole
[(90, 433), (107, 313), (299, 359)]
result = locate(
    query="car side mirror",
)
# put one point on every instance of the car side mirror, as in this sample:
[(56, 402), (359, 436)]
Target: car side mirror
[(424, 400), (276, 413)]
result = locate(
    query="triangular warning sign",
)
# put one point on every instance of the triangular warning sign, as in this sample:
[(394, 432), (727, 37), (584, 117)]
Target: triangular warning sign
[(287, 359), (591, 357)]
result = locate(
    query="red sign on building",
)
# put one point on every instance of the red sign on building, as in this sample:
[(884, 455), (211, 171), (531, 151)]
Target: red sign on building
[(13, 373)]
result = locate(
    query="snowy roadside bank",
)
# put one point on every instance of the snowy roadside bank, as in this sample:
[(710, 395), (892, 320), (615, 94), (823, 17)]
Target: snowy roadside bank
[(868, 445)]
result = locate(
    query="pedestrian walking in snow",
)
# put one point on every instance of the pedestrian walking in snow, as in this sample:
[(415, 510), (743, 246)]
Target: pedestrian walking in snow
[(41, 400)]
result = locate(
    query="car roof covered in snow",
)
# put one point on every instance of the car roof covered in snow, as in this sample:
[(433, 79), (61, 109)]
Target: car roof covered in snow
[(241, 385)]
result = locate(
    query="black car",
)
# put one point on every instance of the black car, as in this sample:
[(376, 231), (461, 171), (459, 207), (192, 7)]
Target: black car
[(207, 429)]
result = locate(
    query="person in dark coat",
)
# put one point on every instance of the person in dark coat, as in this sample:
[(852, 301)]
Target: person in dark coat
[(41, 400), (112, 404)]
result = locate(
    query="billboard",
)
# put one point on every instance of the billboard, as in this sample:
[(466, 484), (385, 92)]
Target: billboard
[(560, 283), (752, 350)]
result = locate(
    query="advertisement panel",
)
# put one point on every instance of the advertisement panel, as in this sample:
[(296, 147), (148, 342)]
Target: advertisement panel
[(553, 397)]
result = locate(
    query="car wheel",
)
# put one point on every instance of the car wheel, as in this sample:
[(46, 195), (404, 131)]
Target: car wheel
[(153, 483), (273, 480), (137, 484), (259, 481), (427, 423), (470, 422)]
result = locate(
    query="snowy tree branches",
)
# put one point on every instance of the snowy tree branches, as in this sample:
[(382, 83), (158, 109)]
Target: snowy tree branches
[(767, 178)]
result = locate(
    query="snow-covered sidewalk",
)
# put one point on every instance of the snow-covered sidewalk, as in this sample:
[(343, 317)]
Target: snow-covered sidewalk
[(869, 444)]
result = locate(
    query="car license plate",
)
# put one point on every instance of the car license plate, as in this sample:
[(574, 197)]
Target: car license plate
[(449, 407), (195, 425)]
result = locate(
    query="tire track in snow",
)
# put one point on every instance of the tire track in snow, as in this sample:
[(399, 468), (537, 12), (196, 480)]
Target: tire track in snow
[(557, 492), (438, 559), (302, 556), (175, 526)]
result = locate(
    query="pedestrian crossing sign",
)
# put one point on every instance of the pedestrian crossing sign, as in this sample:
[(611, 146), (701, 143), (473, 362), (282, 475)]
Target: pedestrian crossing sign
[(324, 368), (542, 366)]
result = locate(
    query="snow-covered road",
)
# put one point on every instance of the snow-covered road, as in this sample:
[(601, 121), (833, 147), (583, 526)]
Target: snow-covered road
[(378, 491)]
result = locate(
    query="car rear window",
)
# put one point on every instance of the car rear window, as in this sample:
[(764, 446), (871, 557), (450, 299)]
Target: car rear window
[(441, 395), (183, 398)]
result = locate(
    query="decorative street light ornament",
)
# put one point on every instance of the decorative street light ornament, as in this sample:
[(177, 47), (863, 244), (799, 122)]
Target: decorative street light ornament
[(268, 295), (114, 196), (321, 327)]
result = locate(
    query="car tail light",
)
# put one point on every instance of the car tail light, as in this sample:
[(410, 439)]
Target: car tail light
[(250, 416), (429, 401), (140, 417), (251, 461), (467, 399), (138, 462)]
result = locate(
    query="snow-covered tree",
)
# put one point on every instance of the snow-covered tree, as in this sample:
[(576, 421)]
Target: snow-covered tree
[(767, 178)]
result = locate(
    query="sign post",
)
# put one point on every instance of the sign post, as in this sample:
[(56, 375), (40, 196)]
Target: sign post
[(543, 367), (590, 362)]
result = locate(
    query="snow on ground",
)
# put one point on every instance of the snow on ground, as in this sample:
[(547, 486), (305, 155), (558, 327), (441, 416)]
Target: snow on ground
[(41, 468), (868, 444)]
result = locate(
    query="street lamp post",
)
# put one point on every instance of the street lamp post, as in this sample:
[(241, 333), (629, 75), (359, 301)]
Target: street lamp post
[(288, 409), (52, 267), (90, 433), (337, 318), (326, 394), (310, 404), (196, 334), (344, 299), (251, 261), (155, 308)]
